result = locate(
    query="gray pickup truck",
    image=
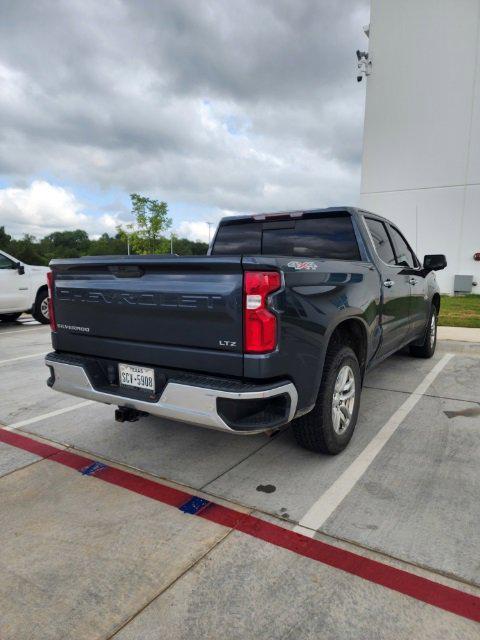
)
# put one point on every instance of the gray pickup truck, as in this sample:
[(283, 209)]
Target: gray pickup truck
[(278, 324)]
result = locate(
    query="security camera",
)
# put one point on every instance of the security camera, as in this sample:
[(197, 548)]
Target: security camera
[(364, 65)]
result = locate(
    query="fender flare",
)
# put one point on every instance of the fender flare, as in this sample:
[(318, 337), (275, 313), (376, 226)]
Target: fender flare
[(354, 315)]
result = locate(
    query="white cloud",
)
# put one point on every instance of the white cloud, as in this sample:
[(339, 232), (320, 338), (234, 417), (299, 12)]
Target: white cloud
[(198, 229), (42, 208), (193, 230), (109, 222), (197, 103)]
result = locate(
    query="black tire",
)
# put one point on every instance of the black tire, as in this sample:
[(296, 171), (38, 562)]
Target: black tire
[(40, 308), (427, 348), (315, 430), (10, 317)]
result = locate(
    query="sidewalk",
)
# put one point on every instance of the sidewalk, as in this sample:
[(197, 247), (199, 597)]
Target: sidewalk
[(91, 549), (462, 334)]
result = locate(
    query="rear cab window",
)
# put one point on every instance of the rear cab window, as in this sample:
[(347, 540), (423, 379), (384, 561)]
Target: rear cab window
[(329, 236)]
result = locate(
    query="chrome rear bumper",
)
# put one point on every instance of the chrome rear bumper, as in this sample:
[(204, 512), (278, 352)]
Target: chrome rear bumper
[(184, 402)]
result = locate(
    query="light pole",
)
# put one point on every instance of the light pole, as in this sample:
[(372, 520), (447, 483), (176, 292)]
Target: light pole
[(209, 230)]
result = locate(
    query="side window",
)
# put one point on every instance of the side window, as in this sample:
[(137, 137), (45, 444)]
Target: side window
[(381, 240), (5, 263), (405, 256)]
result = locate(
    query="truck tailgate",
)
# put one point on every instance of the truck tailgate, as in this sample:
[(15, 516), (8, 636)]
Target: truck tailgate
[(185, 302)]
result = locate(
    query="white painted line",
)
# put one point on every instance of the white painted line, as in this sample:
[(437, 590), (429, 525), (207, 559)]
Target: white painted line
[(31, 355), (333, 496), (52, 414), (2, 333)]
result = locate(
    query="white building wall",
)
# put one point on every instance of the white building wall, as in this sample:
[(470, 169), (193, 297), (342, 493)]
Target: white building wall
[(421, 156)]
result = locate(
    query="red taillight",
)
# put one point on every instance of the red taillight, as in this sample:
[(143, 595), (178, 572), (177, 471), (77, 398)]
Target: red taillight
[(260, 324), (51, 312)]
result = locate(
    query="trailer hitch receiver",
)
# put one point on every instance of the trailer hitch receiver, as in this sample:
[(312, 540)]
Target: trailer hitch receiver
[(127, 414)]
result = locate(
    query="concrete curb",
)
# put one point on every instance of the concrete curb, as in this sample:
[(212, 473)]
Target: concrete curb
[(459, 340), (459, 346), (460, 334)]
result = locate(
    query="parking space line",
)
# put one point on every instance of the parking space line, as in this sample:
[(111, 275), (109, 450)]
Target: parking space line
[(415, 586), (31, 355), (2, 333), (51, 414), (323, 508)]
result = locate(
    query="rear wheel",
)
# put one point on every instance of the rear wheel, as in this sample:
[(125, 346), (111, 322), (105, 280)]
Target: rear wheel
[(40, 309), (9, 317), (330, 425), (427, 348)]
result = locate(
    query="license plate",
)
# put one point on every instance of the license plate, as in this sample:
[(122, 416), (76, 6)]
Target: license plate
[(138, 377)]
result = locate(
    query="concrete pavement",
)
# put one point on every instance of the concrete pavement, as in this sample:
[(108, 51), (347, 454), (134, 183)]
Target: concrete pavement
[(85, 558)]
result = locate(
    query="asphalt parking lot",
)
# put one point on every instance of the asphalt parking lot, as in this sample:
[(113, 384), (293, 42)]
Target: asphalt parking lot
[(381, 541)]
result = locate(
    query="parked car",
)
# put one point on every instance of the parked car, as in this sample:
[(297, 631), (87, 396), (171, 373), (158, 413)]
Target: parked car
[(279, 323), (23, 288)]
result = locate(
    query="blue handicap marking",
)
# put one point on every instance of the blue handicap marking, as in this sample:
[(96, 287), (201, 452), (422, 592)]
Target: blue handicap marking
[(194, 505), (93, 468)]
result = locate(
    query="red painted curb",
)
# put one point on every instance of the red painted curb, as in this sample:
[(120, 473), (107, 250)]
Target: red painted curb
[(409, 584), (28, 444)]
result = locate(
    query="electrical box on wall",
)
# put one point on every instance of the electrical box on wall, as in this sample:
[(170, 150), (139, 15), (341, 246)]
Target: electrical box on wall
[(463, 284)]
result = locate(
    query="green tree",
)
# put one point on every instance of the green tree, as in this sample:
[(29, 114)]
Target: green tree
[(130, 239), (151, 219), (4, 239), (185, 247), (107, 245), (26, 250), (73, 244), (65, 244)]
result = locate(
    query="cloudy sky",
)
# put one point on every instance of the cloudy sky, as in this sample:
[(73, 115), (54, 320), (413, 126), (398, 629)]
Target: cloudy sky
[(216, 106)]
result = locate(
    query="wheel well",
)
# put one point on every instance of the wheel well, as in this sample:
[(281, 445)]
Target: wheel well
[(436, 301), (352, 333), (41, 290)]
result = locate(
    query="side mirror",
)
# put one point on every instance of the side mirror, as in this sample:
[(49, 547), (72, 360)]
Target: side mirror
[(434, 262), (20, 269)]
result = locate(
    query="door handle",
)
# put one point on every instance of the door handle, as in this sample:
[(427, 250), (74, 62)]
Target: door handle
[(412, 281), (388, 283)]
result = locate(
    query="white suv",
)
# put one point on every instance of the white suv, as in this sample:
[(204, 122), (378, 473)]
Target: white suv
[(23, 288)]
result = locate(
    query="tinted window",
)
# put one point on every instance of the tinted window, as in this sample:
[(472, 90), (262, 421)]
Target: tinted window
[(5, 263), (402, 251), (237, 239), (329, 237), (381, 240)]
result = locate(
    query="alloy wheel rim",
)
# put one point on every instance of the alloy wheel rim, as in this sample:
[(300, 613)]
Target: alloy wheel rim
[(433, 330), (343, 400), (44, 308)]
